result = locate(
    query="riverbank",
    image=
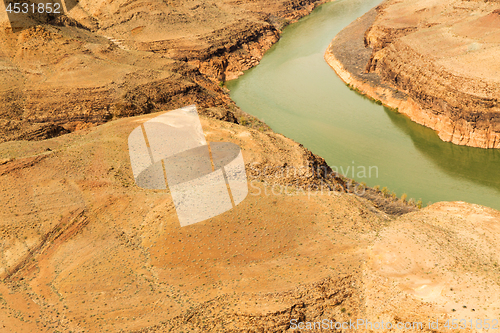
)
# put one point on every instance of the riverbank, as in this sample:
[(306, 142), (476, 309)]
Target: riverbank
[(371, 57), (124, 73), (348, 56)]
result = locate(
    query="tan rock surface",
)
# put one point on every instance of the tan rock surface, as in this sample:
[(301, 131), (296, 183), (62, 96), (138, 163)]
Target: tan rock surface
[(83, 249)]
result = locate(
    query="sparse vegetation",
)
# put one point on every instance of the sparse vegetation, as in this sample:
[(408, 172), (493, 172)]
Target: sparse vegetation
[(385, 191)]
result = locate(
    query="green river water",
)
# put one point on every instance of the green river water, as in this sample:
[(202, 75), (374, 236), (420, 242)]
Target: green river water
[(297, 94)]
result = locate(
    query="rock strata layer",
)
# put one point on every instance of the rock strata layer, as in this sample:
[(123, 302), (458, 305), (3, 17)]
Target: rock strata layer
[(438, 63)]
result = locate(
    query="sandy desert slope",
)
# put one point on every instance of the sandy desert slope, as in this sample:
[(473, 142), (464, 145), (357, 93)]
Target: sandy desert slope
[(441, 56), (84, 249)]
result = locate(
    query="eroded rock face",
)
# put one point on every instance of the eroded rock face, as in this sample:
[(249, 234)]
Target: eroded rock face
[(106, 60), (446, 56)]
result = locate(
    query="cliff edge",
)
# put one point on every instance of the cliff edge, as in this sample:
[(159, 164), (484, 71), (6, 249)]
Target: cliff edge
[(437, 62)]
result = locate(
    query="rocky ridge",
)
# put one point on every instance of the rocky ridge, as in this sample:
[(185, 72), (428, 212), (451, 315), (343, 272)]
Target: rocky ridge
[(276, 257)]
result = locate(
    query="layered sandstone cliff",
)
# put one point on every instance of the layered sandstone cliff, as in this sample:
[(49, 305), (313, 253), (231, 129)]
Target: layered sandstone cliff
[(442, 56)]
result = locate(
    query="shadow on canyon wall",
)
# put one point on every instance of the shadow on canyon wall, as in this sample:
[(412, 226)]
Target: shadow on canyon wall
[(457, 161)]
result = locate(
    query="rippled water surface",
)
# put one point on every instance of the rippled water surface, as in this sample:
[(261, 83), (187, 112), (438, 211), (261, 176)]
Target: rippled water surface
[(296, 93)]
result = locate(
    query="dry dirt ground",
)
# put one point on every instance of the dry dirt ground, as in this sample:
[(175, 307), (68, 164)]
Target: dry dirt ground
[(442, 55), (83, 249)]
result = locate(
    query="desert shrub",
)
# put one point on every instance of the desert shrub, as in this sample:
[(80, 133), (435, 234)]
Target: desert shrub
[(419, 203), (385, 191)]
